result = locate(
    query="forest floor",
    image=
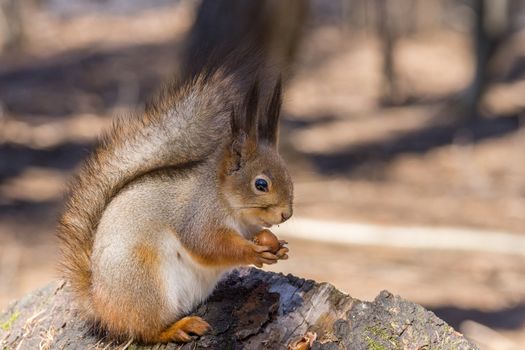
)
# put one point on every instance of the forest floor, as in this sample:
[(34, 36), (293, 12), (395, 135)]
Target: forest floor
[(353, 158)]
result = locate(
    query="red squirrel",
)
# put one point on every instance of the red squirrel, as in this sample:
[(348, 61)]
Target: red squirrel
[(169, 202)]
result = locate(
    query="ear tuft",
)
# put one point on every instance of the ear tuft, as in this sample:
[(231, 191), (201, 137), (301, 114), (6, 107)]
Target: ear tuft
[(268, 129), (251, 111)]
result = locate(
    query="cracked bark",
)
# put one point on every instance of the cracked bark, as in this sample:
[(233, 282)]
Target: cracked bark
[(250, 309)]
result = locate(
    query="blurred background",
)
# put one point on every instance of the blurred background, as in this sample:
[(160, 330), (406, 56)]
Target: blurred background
[(403, 126)]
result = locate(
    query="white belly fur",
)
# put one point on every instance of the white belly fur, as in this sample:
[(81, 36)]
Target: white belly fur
[(187, 283)]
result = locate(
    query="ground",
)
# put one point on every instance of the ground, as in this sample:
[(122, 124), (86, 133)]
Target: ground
[(352, 157)]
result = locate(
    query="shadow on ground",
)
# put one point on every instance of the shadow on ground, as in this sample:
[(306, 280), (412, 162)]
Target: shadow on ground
[(87, 80), (14, 159), (503, 319), (419, 141)]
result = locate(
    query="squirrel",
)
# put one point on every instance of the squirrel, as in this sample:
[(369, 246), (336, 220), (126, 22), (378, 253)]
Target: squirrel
[(169, 202), (172, 197)]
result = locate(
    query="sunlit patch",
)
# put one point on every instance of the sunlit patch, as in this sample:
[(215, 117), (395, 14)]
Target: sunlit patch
[(36, 185), (79, 128)]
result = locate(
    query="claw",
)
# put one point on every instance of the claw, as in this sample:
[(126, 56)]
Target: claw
[(282, 252)]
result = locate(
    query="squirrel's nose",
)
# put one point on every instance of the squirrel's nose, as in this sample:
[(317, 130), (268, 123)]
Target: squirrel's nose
[(286, 215)]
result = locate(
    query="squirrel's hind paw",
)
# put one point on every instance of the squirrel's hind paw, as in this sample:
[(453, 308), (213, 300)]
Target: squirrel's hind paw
[(181, 330)]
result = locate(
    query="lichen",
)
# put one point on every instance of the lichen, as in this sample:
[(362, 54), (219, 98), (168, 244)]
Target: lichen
[(7, 324)]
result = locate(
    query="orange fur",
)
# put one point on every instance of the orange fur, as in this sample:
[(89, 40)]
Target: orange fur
[(226, 248)]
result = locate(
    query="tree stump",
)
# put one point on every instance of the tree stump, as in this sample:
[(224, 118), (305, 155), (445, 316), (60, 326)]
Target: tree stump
[(250, 309)]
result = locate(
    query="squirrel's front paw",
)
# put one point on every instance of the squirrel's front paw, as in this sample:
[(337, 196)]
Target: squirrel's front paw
[(263, 255), (277, 247)]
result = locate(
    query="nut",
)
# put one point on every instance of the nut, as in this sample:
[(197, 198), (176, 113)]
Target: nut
[(267, 238)]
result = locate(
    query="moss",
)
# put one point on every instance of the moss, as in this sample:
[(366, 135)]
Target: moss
[(7, 324), (378, 336), (373, 345)]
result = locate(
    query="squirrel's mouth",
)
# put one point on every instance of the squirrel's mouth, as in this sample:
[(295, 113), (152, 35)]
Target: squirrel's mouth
[(265, 223)]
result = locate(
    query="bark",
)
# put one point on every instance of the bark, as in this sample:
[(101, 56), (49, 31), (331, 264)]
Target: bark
[(250, 309)]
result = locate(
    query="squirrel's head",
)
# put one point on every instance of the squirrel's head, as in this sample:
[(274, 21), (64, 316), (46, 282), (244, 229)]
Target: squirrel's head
[(257, 184)]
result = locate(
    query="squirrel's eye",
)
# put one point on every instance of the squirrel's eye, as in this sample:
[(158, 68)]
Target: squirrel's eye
[(261, 185)]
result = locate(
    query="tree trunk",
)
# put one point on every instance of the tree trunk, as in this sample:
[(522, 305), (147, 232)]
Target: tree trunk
[(490, 30), (250, 309), (387, 31)]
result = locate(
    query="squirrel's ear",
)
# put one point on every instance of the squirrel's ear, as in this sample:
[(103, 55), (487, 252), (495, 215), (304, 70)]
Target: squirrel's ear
[(232, 158), (268, 128), (235, 124), (241, 146)]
